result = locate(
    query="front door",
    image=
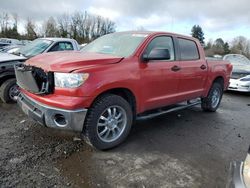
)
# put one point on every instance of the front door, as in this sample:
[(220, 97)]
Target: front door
[(159, 83)]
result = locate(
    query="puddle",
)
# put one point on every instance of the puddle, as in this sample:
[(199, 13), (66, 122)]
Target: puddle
[(111, 169), (80, 169)]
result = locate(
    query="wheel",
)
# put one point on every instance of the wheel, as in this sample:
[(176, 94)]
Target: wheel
[(9, 90), (212, 101), (108, 122)]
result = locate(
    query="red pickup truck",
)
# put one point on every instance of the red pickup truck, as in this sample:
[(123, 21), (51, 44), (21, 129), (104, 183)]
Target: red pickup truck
[(117, 79)]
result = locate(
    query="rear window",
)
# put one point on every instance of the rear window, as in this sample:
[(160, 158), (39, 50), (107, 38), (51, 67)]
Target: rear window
[(188, 49)]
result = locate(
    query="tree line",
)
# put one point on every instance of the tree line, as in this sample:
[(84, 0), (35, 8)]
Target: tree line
[(85, 27), (81, 26), (238, 45)]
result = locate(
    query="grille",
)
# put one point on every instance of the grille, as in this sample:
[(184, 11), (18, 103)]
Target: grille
[(34, 80)]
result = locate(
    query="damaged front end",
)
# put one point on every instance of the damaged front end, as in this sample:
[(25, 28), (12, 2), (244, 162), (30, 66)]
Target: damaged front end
[(34, 80), (37, 81)]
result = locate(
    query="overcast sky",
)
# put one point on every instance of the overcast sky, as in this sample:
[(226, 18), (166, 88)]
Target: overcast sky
[(218, 18)]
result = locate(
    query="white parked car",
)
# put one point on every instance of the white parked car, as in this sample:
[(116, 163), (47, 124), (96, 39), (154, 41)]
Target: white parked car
[(8, 87), (240, 78), (11, 49)]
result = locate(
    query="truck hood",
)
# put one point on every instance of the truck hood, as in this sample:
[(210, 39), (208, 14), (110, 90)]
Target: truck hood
[(5, 57), (70, 61), (241, 68)]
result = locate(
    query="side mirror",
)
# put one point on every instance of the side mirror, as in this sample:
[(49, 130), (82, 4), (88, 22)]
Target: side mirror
[(157, 54)]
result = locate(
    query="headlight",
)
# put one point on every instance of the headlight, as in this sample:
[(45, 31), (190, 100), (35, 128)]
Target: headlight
[(246, 78), (70, 80)]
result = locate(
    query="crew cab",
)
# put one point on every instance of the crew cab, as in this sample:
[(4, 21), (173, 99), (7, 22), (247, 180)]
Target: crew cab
[(116, 79), (8, 87)]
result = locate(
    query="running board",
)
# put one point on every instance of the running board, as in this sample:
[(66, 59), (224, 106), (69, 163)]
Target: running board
[(153, 115)]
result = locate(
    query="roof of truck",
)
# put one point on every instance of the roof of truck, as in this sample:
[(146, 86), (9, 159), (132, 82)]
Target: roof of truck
[(151, 32), (157, 33)]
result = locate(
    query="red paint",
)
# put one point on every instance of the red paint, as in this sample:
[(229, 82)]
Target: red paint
[(153, 84)]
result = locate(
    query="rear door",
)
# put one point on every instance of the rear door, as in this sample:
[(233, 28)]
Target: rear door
[(193, 72), (159, 83)]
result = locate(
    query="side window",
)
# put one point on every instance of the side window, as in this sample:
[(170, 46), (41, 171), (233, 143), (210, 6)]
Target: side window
[(188, 50), (62, 46), (54, 48), (68, 46), (162, 42)]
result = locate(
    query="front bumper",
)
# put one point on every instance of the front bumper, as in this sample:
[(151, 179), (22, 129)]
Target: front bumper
[(52, 117), (237, 85)]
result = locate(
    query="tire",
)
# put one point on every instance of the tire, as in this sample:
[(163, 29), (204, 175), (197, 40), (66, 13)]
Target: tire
[(212, 101), (6, 91), (109, 115)]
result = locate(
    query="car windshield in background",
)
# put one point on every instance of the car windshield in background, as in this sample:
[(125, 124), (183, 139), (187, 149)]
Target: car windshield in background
[(237, 60), (117, 44), (34, 48)]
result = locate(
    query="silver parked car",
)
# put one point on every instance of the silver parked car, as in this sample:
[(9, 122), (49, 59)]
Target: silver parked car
[(239, 176), (240, 78)]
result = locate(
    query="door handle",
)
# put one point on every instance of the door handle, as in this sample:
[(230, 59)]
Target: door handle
[(203, 67), (175, 68)]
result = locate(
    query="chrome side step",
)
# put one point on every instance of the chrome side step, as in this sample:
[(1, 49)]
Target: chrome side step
[(180, 107)]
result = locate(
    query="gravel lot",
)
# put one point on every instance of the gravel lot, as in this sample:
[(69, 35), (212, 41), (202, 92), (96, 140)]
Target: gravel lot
[(189, 148)]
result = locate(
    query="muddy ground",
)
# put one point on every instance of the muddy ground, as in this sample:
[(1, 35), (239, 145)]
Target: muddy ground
[(189, 148)]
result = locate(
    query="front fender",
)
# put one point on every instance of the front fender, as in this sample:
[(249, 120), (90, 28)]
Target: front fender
[(117, 85)]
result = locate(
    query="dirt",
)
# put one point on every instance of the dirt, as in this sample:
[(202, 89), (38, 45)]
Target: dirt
[(189, 148), (29, 152)]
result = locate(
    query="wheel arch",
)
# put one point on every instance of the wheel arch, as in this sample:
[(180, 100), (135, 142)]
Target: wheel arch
[(207, 102), (125, 93), (6, 76), (219, 79)]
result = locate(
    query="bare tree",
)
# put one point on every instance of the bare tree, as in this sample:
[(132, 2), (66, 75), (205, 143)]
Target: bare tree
[(74, 22), (101, 26), (15, 18), (109, 26), (78, 23), (64, 25), (4, 17), (82, 26), (87, 27), (8, 25), (30, 30), (50, 28), (12, 31), (241, 45)]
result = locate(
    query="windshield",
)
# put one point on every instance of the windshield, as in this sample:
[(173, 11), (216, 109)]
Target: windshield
[(117, 44), (34, 48), (237, 60)]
